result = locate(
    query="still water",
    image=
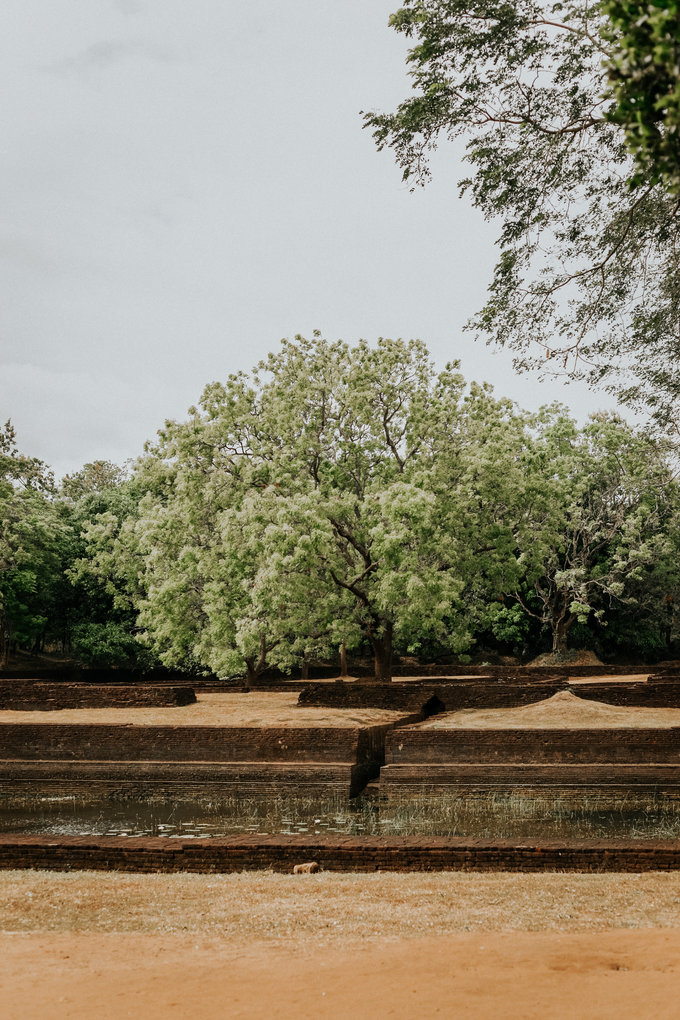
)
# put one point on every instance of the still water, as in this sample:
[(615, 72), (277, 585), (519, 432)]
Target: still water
[(493, 815)]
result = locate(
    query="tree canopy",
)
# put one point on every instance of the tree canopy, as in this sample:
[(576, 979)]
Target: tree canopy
[(32, 533), (644, 71), (346, 497), (587, 279), (353, 496), (323, 501), (601, 506)]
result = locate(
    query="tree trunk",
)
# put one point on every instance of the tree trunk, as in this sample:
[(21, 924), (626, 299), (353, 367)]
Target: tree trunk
[(382, 654), (668, 630), (304, 670), (255, 668), (4, 640), (560, 629), (343, 662), (251, 673)]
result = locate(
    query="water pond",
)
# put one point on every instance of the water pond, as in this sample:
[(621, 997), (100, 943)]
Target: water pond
[(492, 815)]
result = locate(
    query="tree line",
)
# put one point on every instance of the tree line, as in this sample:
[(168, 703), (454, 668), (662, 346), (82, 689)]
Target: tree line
[(354, 498)]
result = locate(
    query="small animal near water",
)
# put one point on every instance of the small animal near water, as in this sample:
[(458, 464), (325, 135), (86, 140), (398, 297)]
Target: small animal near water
[(309, 868)]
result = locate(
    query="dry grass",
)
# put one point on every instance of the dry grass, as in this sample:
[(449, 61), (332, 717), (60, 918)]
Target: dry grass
[(257, 906), (562, 711), (255, 708)]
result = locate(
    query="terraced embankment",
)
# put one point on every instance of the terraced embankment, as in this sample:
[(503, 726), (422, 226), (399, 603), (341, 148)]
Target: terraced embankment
[(245, 743), (481, 733), (561, 742)]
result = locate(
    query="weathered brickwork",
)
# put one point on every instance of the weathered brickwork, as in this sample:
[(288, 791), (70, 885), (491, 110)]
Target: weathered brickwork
[(48, 741), (549, 746), (659, 693), (497, 693), (37, 695), (366, 854), (95, 780), (420, 779), (96, 675), (413, 697), (523, 672), (141, 761), (596, 759)]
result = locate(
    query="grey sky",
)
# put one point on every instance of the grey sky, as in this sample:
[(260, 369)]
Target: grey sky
[(186, 183)]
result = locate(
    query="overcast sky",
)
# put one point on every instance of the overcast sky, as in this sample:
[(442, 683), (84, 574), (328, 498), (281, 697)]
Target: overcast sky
[(186, 183)]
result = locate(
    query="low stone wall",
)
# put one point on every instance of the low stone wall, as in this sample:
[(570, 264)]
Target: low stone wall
[(36, 695), (144, 761), (512, 672), (433, 780), (365, 854), (22, 781), (658, 693), (48, 741), (426, 696), (425, 747), (66, 673), (450, 695)]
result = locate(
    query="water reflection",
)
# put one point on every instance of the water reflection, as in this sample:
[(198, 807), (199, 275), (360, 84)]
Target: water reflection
[(492, 815)]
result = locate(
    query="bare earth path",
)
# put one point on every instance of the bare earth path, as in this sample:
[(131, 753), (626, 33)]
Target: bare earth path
[(355, 946)]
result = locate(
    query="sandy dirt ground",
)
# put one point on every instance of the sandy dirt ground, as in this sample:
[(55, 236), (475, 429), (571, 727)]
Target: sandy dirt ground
[(562, 710), (595, 976), (618, 678), (256, 708), (263, 945)]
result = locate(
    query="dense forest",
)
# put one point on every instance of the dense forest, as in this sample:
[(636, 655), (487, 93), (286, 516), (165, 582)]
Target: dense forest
[(347, 497)]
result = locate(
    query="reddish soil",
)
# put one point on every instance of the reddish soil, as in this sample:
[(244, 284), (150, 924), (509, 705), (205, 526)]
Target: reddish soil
[(602, 947), (598, 975)]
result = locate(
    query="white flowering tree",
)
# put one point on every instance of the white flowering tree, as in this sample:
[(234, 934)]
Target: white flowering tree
[(340, 494)]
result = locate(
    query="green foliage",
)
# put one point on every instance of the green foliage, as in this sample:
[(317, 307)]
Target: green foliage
[(103, 504), (108, 643), (644, 72), (32, 537), (347, 495), (338, 495), (588, 275), (602, 508), (97, 477), (508, 624), (352, 495)]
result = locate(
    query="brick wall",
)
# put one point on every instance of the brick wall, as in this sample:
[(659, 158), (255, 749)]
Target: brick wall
[(93, 781), (98, 760), (432, 780), (96, 675), (412, 697), (631, 746), (659, 693), (364, 854), (31, 741), (518, 672), (483, 693), (36, 695)]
